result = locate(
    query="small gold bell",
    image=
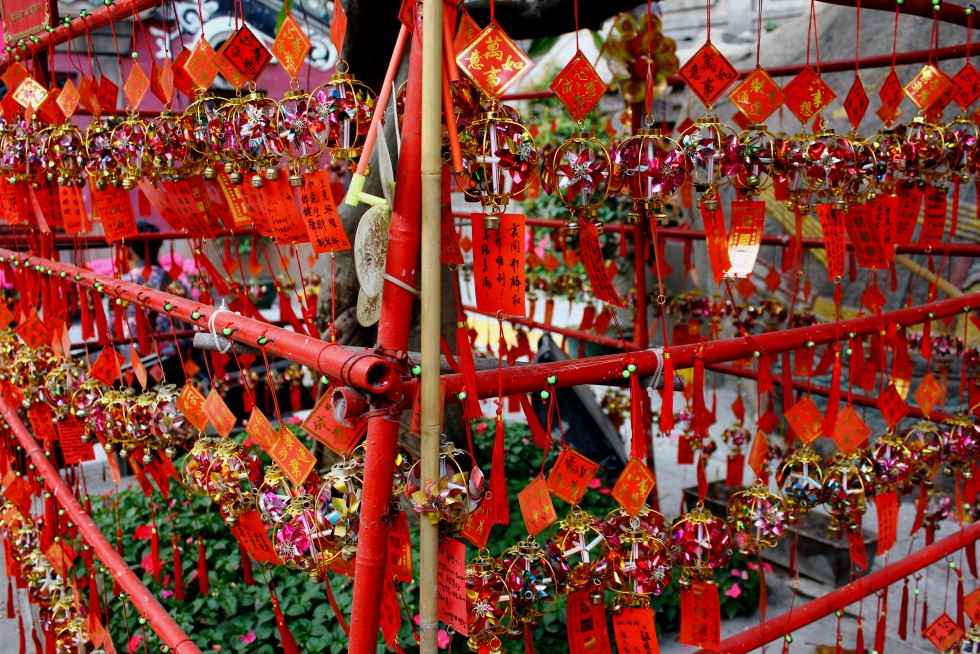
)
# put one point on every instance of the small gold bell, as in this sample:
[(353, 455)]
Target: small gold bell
[(129, 183), (272, 174), (229, 167), (210, 172), (101, 184), (710, 204), (171, 452), (632, 217), (124, 453), (296, 179), (231, 520), (491, 221), (147, 458), (235, 177), (257, 181), (753, 181)]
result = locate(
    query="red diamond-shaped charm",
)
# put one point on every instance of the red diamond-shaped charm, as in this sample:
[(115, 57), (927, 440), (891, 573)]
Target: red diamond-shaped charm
[(967, 84), (850, 431), (806, 420), (935, 113), (708, 73), (468, 30), (29, 93), (162, 82), (579, 87), (202, 65), (807, 95), (926, 87), (928, 394), (246, 53), (891, 94), (773, 279), (856, 103), (757, 96), (893, 408), (68, 99), (136, 86), (291, 46), (228, 70), (493, 61), (768, 422), (14, 75)]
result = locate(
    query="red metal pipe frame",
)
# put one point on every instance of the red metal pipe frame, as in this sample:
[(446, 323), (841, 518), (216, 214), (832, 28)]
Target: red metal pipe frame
[(838, 600), (25, 49), (596, 370), (156, 616), (393, 331), (365, 370)]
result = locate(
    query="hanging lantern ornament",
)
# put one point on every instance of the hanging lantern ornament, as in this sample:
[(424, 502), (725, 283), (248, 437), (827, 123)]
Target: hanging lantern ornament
[(924, 441), (844, 495), (892, 462), (962, 148), (170, 427), (129, 150), (699, 543), (532, 583), (752, 167), (652, 168), (939, 506), (889, 149), (579, 171), (297, 125), (791, 160), (66, 151), (205, 134), (167, 145), (711, 149), (141, 411), (449, 499), (800, 479), (114, 431), (926, 152), (757, 518), (961, 442), (828, 164), (338, 504), (860, 185), (971, 641), (640, 564), (488, 604), (499, 161), (259, 145), (60, 385), (579, 548), (341, 112), (100, 163), (85, 406)]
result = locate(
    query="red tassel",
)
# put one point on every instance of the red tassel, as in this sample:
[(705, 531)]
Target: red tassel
[(529, 639), (538, 435), (667, 393), (22, 637), (467, 368), (925, 612), (178, 574), (101, 322), (288, 642), (959, 600), (971, 559), (859, 639), (10, 598), (638, 440), (202, 568), (903, 614), (763, 590), (765, 375), (147, 264), (702, 479), (247, 571), (882, 625), (500, 509), (926, 347)]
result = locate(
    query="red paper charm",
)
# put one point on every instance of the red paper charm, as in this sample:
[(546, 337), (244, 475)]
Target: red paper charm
[(493, 61), (579, 86), (757, 96)]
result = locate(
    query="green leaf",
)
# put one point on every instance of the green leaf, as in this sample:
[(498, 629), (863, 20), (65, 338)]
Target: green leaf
[(286, 6), (597, 39), (541, 46)]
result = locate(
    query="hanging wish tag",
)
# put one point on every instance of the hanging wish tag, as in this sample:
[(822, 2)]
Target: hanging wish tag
[(586, 622), (537, 508), (886, 506), (498, 265), (633, 487), (595, 265), (716, 238), (452, 584), (834, 239), (219, 414), (570, 476), (701, 616), (745, 236)]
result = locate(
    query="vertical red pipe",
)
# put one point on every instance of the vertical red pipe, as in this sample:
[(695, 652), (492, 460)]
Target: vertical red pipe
[(156, 616), (396, 304)]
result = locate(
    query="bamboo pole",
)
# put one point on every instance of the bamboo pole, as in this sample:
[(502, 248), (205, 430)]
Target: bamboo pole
[(431, 287)]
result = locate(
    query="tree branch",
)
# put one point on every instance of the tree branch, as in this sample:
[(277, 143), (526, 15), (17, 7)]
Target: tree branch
[(549, 17)]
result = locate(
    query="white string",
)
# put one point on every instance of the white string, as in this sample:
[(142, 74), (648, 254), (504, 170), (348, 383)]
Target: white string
[(214, 333), (658, 374)]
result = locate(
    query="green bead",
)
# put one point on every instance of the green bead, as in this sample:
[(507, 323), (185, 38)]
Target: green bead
[(789, 638), (263, 340), (78, 278), (545, 395), (626, 374), (916, 591), (324, 380), (969, 10), (631, 367), (227, 331), (461, 395), (757, 354), (848, 351), (416, 370), (552, 379), (195, 315), (142, 620), (63, 274), (118, 302), (136, 56), (167, 306)]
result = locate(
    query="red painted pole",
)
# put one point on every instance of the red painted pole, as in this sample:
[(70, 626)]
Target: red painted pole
[(24, 49), (156, 616), (837, 600), (365, 370), (596, 370), (397, 305)]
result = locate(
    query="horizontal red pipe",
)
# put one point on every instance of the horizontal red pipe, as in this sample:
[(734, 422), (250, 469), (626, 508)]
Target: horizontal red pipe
[(600, 370), (156, 616), (364, 370), (119, 10), (838, 600), (947, 12), (879, 61)]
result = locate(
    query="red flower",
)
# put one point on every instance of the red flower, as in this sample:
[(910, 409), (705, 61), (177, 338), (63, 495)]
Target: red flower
[(143, 532)]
